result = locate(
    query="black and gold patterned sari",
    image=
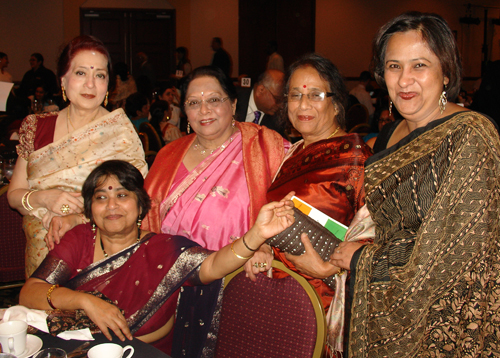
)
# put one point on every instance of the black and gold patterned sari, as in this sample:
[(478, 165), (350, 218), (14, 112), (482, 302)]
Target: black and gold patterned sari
[(430, 283)]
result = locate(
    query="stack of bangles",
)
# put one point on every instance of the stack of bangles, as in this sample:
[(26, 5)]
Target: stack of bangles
[(341, 272), (244, 243), (26, 200), (49, 294)]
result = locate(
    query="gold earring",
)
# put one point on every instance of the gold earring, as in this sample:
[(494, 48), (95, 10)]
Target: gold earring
[(443, 101), (106, 99), (390, 108), (93, 228), (188, 128), (139, 223), (64, 94), (233, 122)]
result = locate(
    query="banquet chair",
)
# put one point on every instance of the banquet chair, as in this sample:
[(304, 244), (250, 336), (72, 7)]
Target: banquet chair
[(145, 141), (362, 129), (153, 137), (12, 242), (357, 114), (270, 317)]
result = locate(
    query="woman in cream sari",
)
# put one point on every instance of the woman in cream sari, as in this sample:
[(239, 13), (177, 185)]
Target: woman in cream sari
[(57, 151)]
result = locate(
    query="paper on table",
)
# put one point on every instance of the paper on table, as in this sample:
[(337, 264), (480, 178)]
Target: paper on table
[(5, 88), (37, 319)]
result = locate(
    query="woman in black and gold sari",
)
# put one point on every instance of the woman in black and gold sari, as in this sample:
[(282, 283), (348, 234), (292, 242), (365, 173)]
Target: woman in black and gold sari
[(429, 285)]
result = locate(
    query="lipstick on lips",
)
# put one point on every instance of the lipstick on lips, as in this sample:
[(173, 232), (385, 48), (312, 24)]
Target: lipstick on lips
[(305, 118), (407, 95), (205, 122), (88, 96)]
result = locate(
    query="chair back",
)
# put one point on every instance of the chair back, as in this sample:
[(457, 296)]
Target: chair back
[(357, 114), (270, 317), (153, 137), (13, 241), (362, 129), (145, 141)]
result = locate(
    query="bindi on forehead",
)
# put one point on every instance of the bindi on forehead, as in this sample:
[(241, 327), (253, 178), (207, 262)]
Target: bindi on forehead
[(304, 86), (110, 187)]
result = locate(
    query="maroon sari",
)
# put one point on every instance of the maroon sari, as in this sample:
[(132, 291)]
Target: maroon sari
[(143, 280), (329, 175)]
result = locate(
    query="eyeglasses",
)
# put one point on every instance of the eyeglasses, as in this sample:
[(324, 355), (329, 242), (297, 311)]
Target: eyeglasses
[(212, 102), (314, 96)]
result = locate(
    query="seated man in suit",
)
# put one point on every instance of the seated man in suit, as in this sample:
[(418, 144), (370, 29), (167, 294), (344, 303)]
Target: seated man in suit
[(260, 104)]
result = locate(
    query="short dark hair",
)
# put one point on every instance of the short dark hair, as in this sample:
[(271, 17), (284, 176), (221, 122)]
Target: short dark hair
[(365, 76), (217, 40), (165, 85), (329, 73), (128, 176), (134, 103), (2, 54), (38, 57), (83, 43), (121, 69), (438, 36), (209, 71), (181, 50)]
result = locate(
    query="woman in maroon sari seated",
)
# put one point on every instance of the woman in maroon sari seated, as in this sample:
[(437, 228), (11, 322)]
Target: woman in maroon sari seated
[(325, 169), (127, 280)]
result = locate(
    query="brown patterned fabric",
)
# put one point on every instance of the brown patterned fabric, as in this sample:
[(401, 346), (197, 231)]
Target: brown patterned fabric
[(267, 318), (429, 286)]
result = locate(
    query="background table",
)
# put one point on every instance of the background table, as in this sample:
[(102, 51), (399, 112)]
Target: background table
[(142, 350)]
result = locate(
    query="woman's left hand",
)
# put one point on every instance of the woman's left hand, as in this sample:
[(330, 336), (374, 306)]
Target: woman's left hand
[(310, 263), (47, 219), (273, 218), (342, 255)]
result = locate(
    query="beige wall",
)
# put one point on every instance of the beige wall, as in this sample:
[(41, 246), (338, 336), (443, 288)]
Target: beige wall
[(344, 29)]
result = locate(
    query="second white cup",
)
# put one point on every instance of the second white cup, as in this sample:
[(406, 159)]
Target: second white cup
[(110, 350), (13, 336)]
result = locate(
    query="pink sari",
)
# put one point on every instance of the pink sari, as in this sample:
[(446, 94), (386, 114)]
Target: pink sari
[(200, 201)]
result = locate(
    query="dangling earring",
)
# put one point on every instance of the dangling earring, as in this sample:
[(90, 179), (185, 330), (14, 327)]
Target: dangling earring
[(93, 228), (233, 122), (390, 108), (106, 99), (139, 223), (188, 128), (443, 101), (64, 94)]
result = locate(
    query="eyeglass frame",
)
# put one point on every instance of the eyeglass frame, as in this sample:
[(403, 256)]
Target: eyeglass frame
[(209, 105), (326, 95)]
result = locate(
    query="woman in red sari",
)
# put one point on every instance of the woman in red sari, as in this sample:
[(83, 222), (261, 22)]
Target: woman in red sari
[(127, 280), (325, 169)]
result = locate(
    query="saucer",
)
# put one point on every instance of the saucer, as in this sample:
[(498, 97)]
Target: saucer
[(33, 345)]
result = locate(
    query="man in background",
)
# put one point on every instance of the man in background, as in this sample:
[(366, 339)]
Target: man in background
[(221, 58), (362, 94), (38, 74)]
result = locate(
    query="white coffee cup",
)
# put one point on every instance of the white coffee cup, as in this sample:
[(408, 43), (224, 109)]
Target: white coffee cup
[(13, 336), (109, 350)]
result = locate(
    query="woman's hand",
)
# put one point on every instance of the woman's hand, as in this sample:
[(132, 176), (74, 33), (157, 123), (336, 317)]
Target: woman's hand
[(106, 316), (59, 226), (310, 263), (273, 218), (54, 199), (342, 255), (260, 262)]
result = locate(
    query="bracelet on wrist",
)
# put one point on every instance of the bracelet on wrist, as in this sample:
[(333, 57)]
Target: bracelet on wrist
[(239, 256), (248, 247), (84, 219), (25, 201), (28, 199), (49, 294)]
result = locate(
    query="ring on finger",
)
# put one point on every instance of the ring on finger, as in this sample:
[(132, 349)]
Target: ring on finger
[(65, 209)]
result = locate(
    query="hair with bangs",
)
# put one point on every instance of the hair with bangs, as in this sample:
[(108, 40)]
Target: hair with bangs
[(438, 36)]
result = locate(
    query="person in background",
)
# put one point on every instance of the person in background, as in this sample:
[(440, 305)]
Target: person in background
[(58, 150), (4, 62), (428, 285), (167, 92), (145, 78), (362, 95), (126, 279), (41, 102), (275, 61), (221, 58), (124, 87), (137, 109), (183, 62), (38, 73), (385, 117), (160, 117), (260, 104)]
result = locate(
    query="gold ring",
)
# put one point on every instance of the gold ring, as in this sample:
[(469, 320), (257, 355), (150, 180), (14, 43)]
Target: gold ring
[(65, 209), (262, 264)]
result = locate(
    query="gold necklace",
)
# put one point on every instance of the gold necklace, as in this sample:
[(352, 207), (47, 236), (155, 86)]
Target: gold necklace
[(204, 150), (70, 122), (331, 135), (102, 246)]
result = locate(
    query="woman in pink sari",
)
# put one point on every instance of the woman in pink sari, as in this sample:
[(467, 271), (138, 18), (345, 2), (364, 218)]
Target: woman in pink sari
[(210, 185)]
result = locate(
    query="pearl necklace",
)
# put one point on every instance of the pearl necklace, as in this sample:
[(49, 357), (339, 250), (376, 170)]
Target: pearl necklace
[(331, 135)]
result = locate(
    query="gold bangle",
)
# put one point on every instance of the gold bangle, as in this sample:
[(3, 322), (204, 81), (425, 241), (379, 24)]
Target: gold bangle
[(84, 219), (238, 256), (341, 272), (28, 199), (49, 293)]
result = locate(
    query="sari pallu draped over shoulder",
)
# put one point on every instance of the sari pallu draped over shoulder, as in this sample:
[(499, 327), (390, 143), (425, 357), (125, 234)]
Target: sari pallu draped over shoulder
[(142, 280), (430, 283), (66, 163)]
